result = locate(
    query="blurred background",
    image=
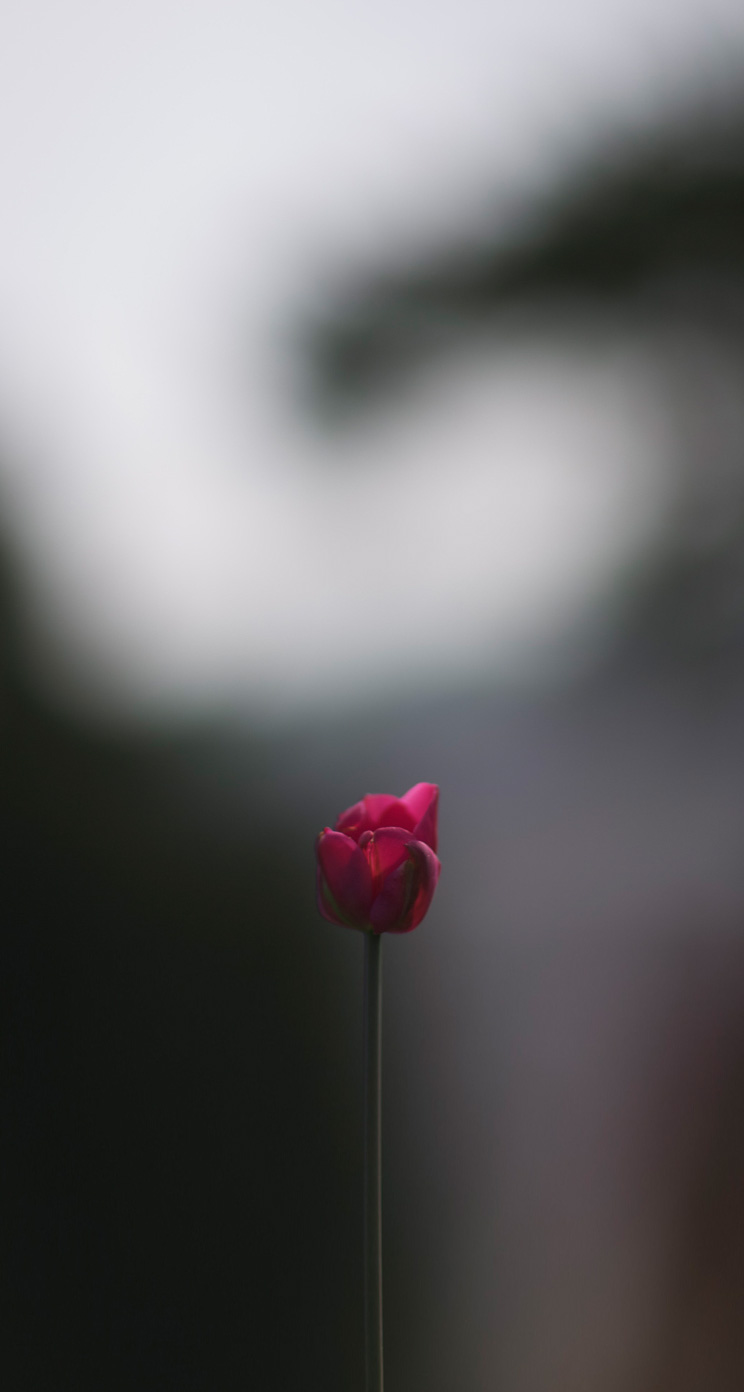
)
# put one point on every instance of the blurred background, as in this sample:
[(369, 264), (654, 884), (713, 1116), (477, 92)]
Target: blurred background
[(371, 411)]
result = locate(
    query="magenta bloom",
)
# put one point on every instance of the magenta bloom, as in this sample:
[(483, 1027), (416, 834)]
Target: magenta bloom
[(377, 870)]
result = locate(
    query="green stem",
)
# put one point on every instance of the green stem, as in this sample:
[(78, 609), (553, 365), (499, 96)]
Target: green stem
[(372, 1162)]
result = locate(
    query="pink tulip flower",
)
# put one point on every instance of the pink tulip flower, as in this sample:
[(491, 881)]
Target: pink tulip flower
[(377, 869)]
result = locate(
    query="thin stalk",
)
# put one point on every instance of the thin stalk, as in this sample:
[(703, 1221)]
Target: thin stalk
[(372, 1162)]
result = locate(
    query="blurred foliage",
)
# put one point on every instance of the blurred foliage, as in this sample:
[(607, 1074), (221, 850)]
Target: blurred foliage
[(648, 236), (665, 206)]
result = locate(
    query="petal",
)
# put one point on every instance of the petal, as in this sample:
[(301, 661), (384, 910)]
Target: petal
[(405, 874), (353, 821), (385, 850), (428, 870), (386, 811), (422, 801), (344, 880), (375, 810)]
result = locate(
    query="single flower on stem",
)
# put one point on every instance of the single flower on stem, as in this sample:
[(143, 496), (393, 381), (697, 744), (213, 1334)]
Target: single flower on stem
[(377, 871)]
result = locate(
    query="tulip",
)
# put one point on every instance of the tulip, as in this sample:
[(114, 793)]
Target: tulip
[(378, 869)]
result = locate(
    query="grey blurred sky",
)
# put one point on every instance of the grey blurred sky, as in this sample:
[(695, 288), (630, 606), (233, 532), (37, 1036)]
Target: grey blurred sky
[(177, 182)]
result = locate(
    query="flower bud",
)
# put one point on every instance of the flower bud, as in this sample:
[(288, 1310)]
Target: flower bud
[(377, 870)]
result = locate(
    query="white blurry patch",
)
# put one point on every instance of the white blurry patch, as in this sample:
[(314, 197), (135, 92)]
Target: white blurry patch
[(499, 511), (175, 178)]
